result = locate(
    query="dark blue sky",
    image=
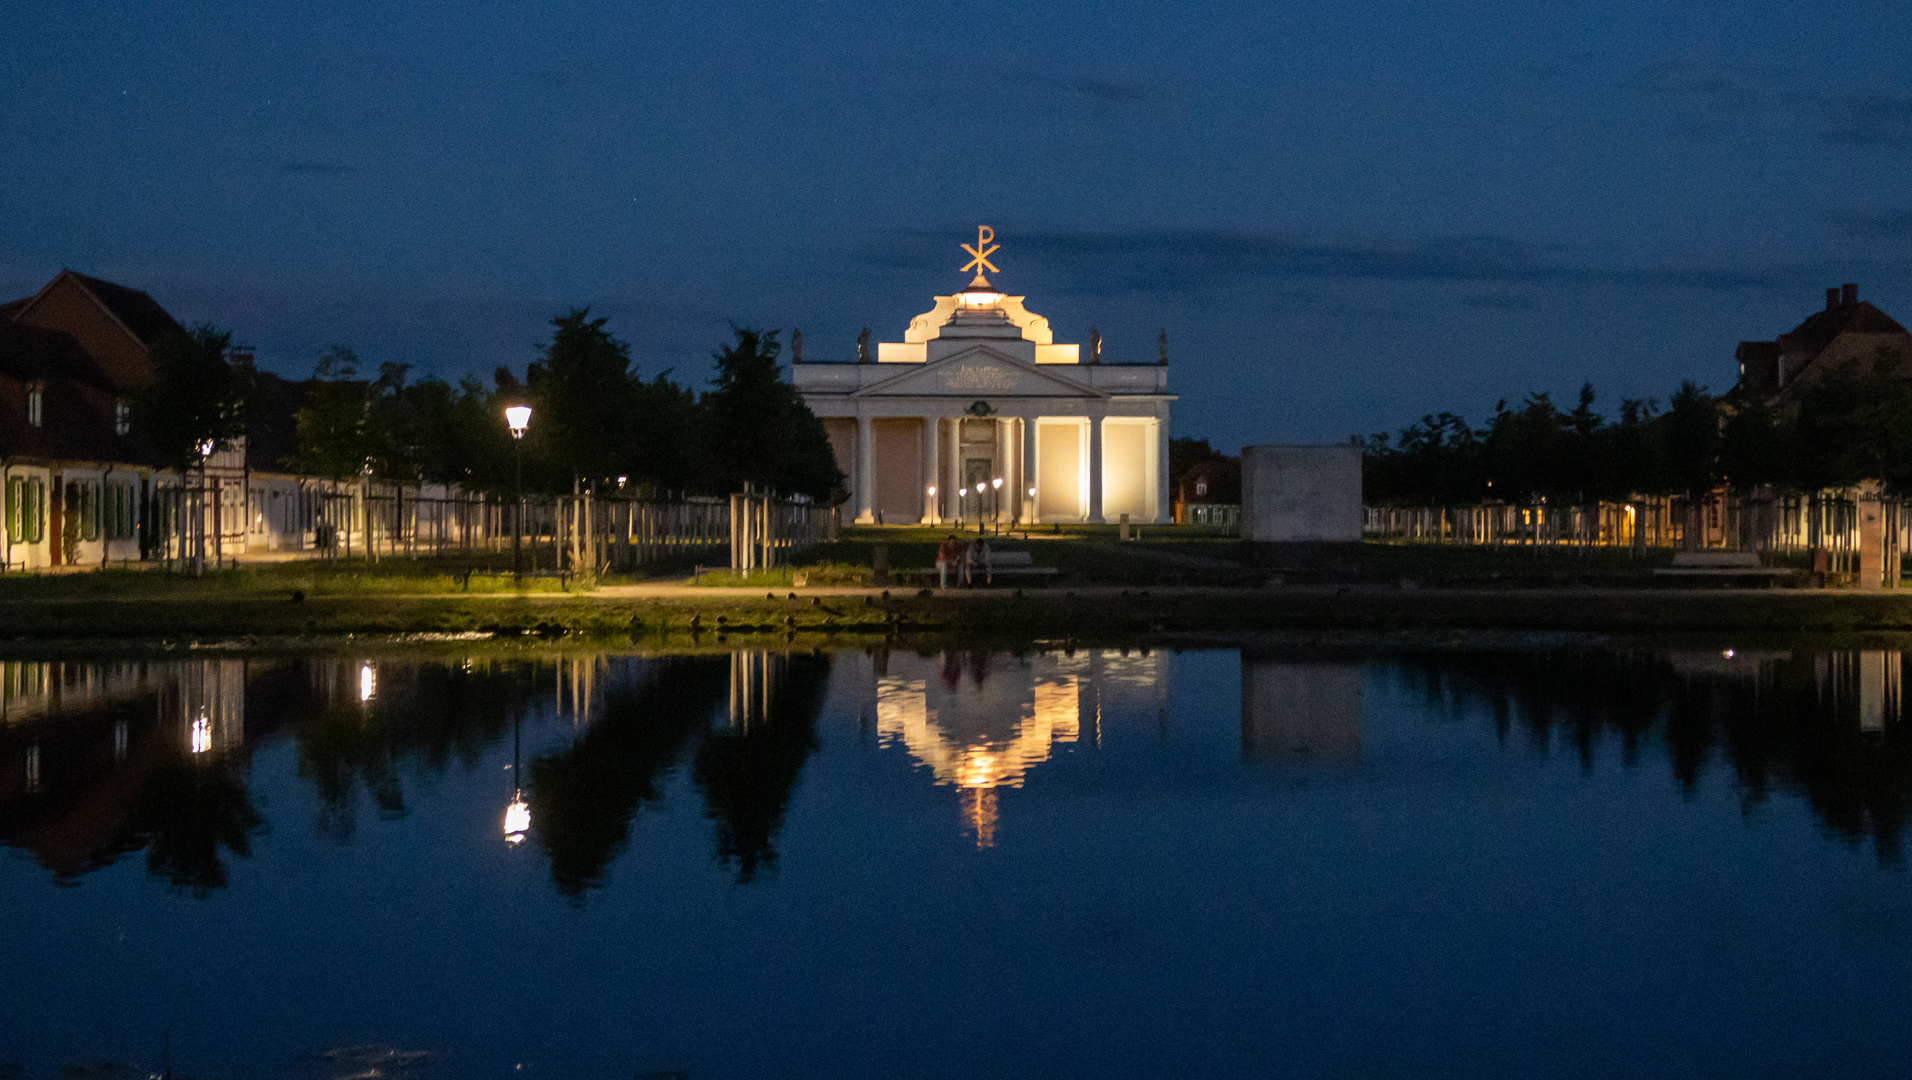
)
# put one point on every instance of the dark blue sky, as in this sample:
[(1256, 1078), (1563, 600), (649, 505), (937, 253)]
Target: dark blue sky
[(1345, 214)]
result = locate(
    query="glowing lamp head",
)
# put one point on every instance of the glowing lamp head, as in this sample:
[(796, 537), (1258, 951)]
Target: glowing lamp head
[(1032, 493), (517, 821), (996, 483), (932, 489), (518, 418), (205, 448)]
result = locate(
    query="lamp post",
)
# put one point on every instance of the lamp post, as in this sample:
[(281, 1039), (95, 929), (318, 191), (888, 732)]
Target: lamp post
[(517, 418), (934, 517), (995, 503)]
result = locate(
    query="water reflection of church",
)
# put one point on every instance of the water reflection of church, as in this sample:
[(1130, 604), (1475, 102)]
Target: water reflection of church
[(978, 721)]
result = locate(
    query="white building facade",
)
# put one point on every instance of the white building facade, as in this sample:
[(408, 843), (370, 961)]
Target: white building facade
[(978, 391)]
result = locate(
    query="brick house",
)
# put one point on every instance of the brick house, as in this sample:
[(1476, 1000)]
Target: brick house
[(1848, 330), (77, 483)]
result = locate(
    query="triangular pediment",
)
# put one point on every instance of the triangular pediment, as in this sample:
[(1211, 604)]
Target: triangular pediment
[(979, 372)]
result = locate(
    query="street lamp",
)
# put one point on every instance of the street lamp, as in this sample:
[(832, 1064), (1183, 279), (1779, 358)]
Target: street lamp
[(995, 503), (517, 418), (933, 516)]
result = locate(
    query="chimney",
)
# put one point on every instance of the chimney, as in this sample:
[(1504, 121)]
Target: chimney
[(1849, 293), (1832, 299)]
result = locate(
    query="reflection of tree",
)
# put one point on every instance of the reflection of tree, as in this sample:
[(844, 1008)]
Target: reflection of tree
[(186, 810), (582, 799), (1793, 725), (747, 776), (422, 717)]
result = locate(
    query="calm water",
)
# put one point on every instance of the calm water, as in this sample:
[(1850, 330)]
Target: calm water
[(1292, 862)]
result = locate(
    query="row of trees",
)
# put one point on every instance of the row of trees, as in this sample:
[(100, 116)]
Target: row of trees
[(1849, 425), (595, 419)]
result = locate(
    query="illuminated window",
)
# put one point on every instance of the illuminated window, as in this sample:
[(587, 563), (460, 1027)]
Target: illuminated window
[(36, 398), (122, 417), (202, 735), (1201, 489)]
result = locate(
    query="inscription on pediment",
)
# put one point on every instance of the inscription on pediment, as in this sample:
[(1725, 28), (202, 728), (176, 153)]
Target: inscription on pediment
[(978, 377), (983, 376)]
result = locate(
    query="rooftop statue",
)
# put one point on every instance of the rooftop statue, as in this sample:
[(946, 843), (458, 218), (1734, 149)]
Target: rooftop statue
[(863, 346)]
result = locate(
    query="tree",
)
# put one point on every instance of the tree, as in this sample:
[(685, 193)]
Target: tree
[(1855, 424), (338, 435), (583, 404), (1690, 442), (755, 428), (198, 398), (1185, 454), (1757, 447)]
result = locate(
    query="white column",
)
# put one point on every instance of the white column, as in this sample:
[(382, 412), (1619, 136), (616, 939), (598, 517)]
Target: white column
[(932, 474), (953, 471), (1163, 511), (865, 472), (1095, 470), (1000, 497), (1030, 471)]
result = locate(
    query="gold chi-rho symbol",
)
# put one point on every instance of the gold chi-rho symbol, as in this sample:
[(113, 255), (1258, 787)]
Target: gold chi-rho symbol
[(984, 234)]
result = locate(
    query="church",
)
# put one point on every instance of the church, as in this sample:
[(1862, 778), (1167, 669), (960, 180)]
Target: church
[(979, 414)]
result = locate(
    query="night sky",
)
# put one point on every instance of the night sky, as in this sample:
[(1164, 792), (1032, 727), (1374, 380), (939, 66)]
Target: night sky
[(1346, 214)]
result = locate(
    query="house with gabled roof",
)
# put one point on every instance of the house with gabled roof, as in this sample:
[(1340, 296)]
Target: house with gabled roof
[(1848, 330), (76, 483)]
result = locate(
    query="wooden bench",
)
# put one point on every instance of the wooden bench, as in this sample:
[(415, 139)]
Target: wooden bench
[(464, 577), (1720, 564)]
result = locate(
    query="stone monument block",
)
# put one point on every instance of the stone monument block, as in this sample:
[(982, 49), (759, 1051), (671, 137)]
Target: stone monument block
[(1301, 510)]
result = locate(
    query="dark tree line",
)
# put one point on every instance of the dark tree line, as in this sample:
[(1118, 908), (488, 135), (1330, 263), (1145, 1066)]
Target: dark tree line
[(1846, 426), (595, 419)]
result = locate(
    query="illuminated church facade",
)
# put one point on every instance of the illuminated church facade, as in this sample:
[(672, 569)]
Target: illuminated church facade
[(978, 413)]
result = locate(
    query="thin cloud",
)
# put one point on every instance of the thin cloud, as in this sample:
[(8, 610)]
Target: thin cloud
[(1106, 89), (1865, 119), (1185, 259), (1870, 226), (316, 168), (1716, 89)]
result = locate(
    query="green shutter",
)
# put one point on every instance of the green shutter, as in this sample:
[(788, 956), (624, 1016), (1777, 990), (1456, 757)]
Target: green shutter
[(36, 511), (13, 510)]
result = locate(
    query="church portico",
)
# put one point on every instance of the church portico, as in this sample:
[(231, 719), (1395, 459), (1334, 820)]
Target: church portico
[(979, 414)]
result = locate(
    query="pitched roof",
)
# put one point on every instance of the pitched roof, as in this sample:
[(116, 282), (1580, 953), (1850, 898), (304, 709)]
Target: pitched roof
[(32, 353), (134, 309), (1821, 327), (79, 407)]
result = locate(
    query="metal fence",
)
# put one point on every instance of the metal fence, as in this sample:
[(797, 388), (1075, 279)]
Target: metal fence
[(193, 527), (1774, 524)]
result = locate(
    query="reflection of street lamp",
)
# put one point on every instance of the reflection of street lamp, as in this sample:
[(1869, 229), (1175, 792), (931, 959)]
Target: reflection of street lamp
[(518, 814), (517, 820), (368, 682), (517, 418)]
